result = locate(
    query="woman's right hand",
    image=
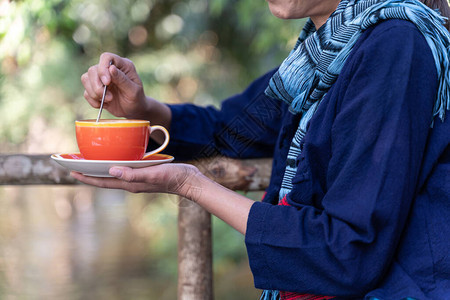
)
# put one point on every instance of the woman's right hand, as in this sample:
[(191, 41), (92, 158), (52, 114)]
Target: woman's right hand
[(125, 95)]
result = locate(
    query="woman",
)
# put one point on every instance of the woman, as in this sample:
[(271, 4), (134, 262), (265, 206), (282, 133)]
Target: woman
[(355, 121)]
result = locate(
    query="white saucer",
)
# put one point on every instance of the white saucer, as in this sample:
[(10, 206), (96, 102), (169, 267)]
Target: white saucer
[(100, 168)]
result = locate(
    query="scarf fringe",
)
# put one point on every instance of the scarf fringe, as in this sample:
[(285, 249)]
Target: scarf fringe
[(270, 295), (443, 102)]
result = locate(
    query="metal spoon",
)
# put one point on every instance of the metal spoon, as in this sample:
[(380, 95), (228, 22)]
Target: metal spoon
[(103, 99)]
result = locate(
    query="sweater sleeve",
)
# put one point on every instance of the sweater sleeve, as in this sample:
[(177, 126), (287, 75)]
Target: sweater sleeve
[(246, 126), (341, 243)]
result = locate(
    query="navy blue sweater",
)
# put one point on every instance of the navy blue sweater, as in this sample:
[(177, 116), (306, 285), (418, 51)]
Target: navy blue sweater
[(370, 207)]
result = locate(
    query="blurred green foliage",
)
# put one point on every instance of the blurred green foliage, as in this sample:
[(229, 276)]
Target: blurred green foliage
[(185, 50)]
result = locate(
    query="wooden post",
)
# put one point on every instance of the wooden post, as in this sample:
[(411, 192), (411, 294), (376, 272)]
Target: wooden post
[(194, 252), (195, 274)]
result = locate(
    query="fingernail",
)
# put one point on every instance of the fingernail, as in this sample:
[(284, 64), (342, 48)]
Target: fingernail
[(116, 172), (104, 79)]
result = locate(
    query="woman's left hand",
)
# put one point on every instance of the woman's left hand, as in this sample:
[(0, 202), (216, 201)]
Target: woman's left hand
[(164, 178), (183, 180)]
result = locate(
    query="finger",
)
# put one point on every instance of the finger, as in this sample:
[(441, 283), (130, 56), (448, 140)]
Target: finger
[(84, 79), (87, 81), (93, 102), (121, 80), (104, 63), (110, 183), (96, 85), (109, 96), (102, 182)]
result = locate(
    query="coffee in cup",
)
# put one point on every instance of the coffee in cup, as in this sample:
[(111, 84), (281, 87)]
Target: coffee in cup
[(116, 139)]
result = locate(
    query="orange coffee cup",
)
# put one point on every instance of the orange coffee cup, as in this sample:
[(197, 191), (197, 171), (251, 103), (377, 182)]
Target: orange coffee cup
[(116, 139)]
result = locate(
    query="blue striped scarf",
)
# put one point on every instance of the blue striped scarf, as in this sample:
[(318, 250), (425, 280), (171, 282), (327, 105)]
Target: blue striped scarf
[(314, 64)]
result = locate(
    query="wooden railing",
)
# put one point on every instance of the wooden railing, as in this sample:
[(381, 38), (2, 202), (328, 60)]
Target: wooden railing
[(194, 223)]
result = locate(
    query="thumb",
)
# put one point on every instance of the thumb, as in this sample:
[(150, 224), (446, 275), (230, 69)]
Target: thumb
[(117, 171), (123, 173), (120, 79), (128, 174)]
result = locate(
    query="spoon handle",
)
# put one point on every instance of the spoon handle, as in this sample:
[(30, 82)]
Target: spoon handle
[(103, 99), (101, 105)]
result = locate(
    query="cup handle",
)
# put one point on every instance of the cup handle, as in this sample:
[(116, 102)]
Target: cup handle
[(163, 146)]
